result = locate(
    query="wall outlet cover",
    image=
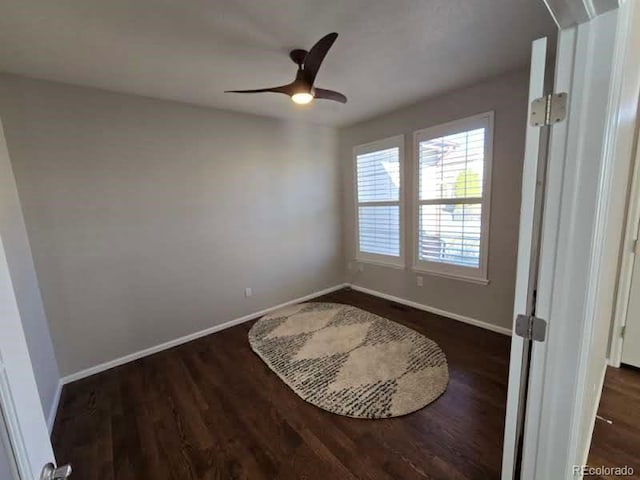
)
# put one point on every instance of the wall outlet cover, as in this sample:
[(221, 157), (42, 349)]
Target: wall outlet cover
[(419, 281), (248, 292)]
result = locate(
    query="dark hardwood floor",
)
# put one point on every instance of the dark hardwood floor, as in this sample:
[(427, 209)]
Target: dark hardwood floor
[(618, 444), (211, 409)]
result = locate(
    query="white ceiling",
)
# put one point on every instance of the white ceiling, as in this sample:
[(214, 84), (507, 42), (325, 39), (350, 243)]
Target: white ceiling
[(389, 52)]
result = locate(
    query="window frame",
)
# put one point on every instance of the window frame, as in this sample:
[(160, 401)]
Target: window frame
[(396, 141), (471, 274)]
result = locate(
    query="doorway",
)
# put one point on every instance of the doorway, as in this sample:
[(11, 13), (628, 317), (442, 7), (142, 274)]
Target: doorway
[(631, 332), (625, 331), (616, 435)]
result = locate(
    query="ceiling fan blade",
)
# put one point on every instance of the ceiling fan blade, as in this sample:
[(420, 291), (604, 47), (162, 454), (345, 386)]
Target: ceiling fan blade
[(330, 95), (286, 89), (316, 55)]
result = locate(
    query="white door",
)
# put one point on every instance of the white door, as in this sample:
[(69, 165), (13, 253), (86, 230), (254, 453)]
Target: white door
[(25, 425), (631, 345), (526, 277)]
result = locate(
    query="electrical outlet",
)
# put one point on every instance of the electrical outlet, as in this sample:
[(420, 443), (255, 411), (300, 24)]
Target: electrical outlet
[(248, 292), (360, 267), (349, 266), (419, 281)]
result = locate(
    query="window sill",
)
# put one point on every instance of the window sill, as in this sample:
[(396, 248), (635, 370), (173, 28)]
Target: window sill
[(452, 276)]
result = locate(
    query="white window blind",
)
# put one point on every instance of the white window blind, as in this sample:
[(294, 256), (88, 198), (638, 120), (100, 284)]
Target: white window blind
[(378, 187), (453, 165)]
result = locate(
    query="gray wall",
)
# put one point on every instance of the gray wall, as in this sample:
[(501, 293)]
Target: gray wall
[(492, 303), (25, 284), (6, 472), (8, 467), (148, 218)]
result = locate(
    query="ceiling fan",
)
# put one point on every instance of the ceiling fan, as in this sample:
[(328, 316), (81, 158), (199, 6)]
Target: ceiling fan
[(301, 90)]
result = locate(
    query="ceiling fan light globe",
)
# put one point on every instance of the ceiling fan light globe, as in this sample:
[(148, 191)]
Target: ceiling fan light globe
[(302, 98)]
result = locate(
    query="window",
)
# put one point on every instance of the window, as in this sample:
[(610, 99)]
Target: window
[(453, 165), (378, 174)]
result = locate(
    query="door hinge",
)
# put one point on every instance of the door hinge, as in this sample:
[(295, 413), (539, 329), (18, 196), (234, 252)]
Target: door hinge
[(549, 109), (623, 330), (531, 328), (634, 246)]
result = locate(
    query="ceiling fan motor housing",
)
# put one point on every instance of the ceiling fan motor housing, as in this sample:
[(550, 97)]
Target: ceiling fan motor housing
[(298, 56)]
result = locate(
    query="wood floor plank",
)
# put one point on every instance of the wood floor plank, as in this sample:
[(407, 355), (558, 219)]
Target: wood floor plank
[(211, 409), (618, 444)]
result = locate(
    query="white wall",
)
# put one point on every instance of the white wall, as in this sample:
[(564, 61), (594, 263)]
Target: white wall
[(148, 218), (492, 303), (25, 284)]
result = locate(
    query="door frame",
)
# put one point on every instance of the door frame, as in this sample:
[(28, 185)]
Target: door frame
[(589, 168), (627, 261), (568, 13)]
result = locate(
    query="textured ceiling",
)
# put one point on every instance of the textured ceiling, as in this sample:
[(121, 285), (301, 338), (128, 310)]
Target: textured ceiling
[(389, 53)]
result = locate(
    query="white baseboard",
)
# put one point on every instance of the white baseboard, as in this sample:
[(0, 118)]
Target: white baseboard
[(437, 311), (51, 417), (193, 336), (231, 323)]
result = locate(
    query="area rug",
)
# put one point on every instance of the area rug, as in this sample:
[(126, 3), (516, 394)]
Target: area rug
[(350, 362)]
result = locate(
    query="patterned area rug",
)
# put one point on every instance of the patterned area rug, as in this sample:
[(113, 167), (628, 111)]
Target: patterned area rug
[(349, 361)]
